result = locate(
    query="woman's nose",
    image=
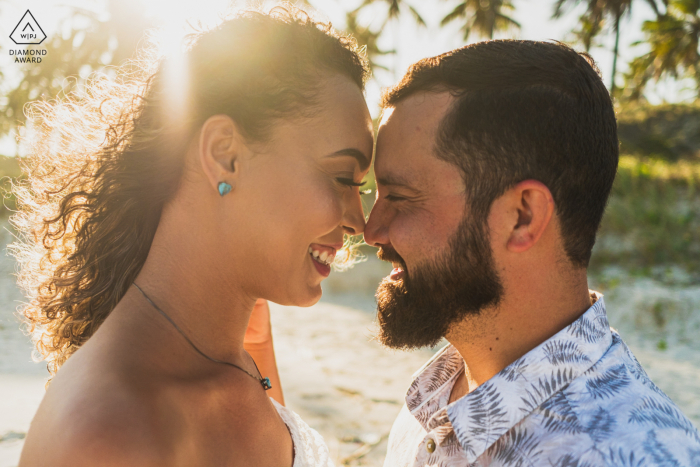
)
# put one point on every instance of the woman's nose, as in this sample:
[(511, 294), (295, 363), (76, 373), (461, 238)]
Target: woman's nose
[(354, 219)]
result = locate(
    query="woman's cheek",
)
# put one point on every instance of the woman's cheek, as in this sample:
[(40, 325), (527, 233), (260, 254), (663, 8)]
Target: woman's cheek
[(326, 210)]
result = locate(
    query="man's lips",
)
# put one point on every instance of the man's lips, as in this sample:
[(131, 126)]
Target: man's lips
[(399, 270), (397, 273), (387, 253)]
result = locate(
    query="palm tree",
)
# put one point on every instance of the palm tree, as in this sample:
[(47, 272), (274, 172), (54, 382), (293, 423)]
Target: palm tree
[(674, 39), (592, 21), (587, 32), (483, 17), (368, 37), (394, 9)]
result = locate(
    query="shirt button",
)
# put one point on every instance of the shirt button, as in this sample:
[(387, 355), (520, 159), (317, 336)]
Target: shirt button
[(430, 446)]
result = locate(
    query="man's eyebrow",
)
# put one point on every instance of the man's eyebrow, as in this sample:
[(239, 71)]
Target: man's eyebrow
[(356, 153), (395, 180)]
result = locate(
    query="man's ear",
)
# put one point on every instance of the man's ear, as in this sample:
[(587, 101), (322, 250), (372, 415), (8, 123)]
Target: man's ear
[(534, 205), (220, 148)]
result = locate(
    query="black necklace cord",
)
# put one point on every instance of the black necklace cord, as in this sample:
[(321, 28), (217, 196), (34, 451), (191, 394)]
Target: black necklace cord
[(264, 382)]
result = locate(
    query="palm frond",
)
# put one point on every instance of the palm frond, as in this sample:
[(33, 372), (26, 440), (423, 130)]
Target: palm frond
[(458, 12), (416, 16)]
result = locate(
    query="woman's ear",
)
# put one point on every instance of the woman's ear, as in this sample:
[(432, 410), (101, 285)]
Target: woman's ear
[(534, 205), (220, 148)]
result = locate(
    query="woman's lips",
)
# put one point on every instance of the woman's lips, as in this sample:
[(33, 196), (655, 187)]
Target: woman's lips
[(322, 269), (322, 256)]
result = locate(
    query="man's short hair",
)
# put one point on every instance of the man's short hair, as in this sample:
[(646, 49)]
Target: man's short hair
[(525, 110)]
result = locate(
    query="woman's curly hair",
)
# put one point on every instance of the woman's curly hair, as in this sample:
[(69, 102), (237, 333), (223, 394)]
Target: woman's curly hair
[(105, 159)]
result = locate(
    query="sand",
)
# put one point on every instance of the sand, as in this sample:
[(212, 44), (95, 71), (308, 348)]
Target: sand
[(344, 384)]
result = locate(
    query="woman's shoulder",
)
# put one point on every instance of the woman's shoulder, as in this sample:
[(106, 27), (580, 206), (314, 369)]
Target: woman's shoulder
[(93, 416)]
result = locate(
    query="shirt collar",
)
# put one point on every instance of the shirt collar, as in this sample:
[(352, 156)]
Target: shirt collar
[(481, 417)]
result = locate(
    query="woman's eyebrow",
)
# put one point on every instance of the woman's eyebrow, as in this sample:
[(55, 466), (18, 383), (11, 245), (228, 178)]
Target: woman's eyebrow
[(363, 160)]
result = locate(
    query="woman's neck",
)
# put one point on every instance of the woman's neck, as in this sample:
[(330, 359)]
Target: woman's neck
[(180, 277)]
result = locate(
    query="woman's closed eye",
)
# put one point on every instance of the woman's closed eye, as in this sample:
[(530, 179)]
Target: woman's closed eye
[(350, 182)]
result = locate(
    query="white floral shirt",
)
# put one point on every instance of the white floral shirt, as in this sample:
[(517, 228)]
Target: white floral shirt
[(578, 399)]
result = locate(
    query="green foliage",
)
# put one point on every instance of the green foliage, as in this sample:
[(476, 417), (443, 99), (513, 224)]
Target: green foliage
[(670, 131), (484, 17), (86, 42), (652, 218), (593, 21), (673, 39), (368, 39), (367, 36)]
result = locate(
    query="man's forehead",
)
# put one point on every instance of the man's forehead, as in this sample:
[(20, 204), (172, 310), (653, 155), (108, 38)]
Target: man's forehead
[(425, 108), (407, 131), (405, 153)]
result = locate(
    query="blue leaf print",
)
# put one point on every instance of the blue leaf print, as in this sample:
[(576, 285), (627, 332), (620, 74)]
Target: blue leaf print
[(515, 370), (545, 387), (445, 369), (569, 460), (559, 415), (439, 418), (558, 352), (694, 455), (662, 415), (609, 383), (449, 443), (620, 458), (486, 413), (587, 330), (662, 457), (517, 448), (600, 426), (636, 368)]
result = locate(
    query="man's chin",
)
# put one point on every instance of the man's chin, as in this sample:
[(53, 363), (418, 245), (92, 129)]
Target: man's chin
[(405, 323)]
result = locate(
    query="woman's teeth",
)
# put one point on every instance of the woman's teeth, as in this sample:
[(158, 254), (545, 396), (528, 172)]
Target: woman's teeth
[(324, 257)]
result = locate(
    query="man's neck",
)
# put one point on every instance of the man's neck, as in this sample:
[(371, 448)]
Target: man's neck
[(498, 336)]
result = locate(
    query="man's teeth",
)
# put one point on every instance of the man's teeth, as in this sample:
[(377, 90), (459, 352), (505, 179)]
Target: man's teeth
[(322, 257)]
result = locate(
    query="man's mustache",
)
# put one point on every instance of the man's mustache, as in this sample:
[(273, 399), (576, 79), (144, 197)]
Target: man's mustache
[(387, 253)]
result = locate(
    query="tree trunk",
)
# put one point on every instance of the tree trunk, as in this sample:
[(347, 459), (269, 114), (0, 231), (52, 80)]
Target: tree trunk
[(615, 52)]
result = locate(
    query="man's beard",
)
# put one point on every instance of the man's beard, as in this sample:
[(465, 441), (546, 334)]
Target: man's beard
[(419, 309)]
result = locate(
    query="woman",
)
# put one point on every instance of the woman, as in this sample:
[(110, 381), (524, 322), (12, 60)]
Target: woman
[(227, 175)]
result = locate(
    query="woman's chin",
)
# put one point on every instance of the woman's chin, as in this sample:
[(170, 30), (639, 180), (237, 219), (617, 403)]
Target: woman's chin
[(313, 298), (307, 298)]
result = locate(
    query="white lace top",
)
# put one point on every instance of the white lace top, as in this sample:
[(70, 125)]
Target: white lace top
[(309, 448)]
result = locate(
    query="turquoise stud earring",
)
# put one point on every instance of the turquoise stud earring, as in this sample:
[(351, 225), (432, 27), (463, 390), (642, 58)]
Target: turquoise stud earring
[(224, 188)]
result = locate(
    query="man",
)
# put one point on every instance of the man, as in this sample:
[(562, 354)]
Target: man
[(494, 163)]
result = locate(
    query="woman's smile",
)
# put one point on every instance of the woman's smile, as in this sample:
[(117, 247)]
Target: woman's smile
[(322, 257)]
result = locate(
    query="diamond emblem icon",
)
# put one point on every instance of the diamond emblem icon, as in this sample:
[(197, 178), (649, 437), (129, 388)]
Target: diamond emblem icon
[(28, 31)]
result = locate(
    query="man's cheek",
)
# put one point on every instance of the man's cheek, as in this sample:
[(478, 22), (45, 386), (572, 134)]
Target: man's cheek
[(408, 239)]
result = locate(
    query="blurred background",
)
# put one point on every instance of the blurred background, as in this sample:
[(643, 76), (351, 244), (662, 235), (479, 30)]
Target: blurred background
[(646, 260)]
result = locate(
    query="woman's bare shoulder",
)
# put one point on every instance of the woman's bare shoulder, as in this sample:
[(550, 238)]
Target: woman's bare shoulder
[(93, 418)]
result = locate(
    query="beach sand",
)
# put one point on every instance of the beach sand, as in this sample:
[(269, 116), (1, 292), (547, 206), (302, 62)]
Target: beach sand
[(343, 383)]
